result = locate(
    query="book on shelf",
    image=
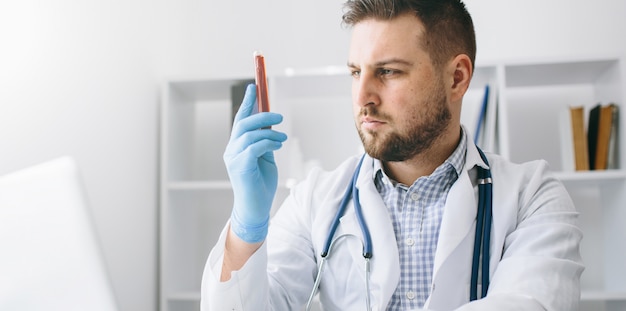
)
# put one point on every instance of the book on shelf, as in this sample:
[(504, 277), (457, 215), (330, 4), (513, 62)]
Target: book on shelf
[(480, 123), (574, 141), (605, 121), (590, 147), (480, 119), (612, 157), (592, 134)]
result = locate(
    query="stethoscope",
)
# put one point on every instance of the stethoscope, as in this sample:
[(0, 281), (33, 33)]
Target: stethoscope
[(481, 239)]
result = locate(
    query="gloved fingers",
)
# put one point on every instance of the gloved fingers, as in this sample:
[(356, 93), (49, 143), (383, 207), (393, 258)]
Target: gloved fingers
[(247, 104), (255, 122), (245, 118), (238, 144), (268, 157), (261, 148), (247, 160)]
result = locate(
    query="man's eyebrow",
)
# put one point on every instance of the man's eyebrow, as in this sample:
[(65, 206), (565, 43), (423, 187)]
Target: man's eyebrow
[(386, 62), (397, 61)]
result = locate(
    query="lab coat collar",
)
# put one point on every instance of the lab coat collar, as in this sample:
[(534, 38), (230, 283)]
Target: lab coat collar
[(456, 164), (472, 157)]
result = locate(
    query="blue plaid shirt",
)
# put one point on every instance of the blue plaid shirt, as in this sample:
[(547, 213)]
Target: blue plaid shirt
[(416, 212)]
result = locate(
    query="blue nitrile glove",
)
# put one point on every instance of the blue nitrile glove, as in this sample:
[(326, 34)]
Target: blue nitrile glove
[(249, 159)]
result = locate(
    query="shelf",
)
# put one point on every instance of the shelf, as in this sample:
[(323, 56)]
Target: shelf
[(578, 72), (184, 296), (591, 176), (602, 296), (204, 90), (182, 305), (218, 185), (199, 185)]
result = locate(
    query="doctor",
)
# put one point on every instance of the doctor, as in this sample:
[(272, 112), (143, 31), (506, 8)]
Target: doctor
[(411, 64)]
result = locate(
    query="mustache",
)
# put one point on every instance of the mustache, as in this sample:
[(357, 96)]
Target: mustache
[(371, 111)]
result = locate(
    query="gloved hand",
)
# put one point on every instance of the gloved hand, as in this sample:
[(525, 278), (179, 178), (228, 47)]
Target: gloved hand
[(249, 159)]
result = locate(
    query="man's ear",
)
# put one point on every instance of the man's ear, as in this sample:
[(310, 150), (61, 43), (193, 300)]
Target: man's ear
[(461, 68)]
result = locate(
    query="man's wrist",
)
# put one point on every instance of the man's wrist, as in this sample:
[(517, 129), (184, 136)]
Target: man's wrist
[(249, 233)]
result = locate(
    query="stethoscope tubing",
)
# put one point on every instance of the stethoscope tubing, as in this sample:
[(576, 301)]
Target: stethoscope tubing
[(351, 193), (482, 239)]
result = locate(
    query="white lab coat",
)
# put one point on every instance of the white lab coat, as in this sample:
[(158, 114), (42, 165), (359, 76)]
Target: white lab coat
[(535, 261)]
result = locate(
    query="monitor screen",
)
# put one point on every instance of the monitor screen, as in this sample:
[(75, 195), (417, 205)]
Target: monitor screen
[(50, 256)]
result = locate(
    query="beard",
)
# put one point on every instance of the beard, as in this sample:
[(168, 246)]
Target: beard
[(426, 122)]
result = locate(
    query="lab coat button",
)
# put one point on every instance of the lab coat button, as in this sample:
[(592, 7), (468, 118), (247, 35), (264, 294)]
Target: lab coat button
[(410, 242), (410, 295)]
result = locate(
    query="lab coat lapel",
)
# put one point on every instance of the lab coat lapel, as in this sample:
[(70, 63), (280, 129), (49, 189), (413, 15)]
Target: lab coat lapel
[(456, 238), (459, 215), (458, 219)]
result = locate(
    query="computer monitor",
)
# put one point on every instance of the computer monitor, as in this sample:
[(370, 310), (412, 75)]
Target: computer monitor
[(50, 256)]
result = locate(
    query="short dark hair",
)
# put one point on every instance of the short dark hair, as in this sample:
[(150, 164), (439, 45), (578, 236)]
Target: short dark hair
[(449, 30)]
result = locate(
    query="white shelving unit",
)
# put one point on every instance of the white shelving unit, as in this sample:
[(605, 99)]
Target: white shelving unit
[(196, 196), (532, 97)]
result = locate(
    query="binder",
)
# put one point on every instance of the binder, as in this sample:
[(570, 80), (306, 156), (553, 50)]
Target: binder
[(605, 126), (592, 134), (612, 161)]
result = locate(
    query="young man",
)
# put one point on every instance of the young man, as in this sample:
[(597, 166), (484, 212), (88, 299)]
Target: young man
[(411, 62)]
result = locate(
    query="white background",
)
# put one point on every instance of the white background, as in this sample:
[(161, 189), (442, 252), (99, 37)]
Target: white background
[(82, 78)]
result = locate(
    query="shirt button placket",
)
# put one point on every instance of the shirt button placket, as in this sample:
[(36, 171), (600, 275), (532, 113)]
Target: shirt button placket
[(410, 295)]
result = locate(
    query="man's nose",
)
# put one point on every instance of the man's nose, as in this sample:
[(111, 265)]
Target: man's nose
[(366, 90)]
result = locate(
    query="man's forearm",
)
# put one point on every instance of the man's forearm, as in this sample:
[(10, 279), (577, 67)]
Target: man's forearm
[(236, 254)]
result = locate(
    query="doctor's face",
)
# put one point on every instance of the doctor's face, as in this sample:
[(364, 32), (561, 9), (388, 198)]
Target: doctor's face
[(399, 98)]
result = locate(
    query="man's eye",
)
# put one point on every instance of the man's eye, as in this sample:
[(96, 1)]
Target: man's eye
[(355, 73), (386, 72)]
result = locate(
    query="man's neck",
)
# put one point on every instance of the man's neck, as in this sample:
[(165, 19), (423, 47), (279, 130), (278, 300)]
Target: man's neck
[(425, 163)]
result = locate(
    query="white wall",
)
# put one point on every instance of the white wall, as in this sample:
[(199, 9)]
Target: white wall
[(515, 29), (76, 78), (82, 78)]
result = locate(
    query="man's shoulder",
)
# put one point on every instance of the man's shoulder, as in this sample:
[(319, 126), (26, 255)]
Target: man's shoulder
[(532, 181), (500, 165), (340, 174)]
